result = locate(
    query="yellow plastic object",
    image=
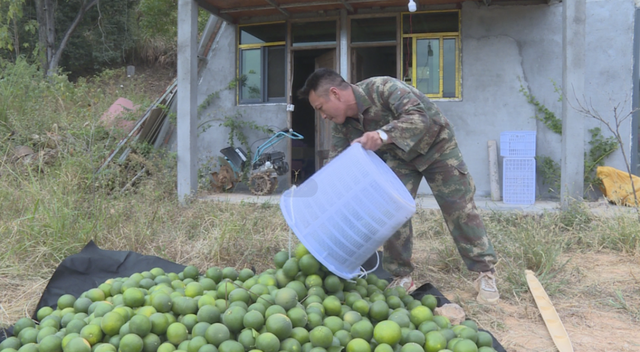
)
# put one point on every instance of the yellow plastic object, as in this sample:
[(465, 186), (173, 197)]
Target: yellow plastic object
[(616, 186), (549, 314)]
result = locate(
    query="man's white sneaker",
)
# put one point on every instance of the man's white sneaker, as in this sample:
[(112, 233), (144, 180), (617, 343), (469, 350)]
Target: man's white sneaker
[(485, 284)]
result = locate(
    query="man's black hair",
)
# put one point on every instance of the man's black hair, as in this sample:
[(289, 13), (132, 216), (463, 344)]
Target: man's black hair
[(318, 80)]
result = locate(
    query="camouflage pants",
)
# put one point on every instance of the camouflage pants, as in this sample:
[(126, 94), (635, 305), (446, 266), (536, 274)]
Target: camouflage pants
[(453, 189)]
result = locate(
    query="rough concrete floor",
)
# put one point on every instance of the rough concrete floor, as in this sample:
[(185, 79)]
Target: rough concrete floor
[(600, 207)]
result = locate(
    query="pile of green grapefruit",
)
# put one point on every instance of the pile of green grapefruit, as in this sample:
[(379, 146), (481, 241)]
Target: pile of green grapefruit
[(298, 306)]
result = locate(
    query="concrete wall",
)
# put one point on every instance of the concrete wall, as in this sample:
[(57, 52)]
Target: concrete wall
[(502, 44), (215, 77), (502, 48)]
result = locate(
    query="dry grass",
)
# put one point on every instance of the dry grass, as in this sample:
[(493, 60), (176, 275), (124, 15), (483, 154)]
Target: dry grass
[(590, 275), (158, 51)]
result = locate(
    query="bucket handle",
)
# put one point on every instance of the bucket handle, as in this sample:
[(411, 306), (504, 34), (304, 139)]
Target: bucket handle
[(365, 273), (293, 217)]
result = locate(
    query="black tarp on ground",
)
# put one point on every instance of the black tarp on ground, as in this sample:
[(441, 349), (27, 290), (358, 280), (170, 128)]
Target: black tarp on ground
[(92, 266), (89, 268)]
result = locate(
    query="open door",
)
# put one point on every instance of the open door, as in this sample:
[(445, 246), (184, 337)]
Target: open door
[(323, 127)]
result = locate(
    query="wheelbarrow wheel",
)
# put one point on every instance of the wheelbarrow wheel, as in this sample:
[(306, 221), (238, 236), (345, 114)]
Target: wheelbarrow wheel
[(260, 184), (274, 185)]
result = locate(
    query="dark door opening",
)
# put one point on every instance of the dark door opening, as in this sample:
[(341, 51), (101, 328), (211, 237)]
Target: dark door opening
[(373, 61), (304, 153)]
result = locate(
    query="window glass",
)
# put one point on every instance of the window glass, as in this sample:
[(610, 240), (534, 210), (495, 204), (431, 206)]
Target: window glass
[(378, 29), (250, 66), (428, 66), (261, 62), (313, 33), (431, 53), (265, 33), (431, 22), (275, 72), (449, 68)]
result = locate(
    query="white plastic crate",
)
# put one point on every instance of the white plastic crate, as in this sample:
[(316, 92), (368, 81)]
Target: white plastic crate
[(519, 180), (518, 144)]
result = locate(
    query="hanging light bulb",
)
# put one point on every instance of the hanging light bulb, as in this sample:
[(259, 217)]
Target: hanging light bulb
[(412, 6)]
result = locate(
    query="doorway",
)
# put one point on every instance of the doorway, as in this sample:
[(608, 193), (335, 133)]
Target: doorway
[(308, 154)]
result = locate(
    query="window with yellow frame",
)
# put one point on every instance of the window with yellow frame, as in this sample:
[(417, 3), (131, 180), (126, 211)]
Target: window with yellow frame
[(431, 52), (261, 63)]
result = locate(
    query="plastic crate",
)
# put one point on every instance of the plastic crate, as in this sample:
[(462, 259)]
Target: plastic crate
[(518, 144), (519, 181)]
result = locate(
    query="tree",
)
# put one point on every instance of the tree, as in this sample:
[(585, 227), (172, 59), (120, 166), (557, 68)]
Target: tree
[(45, 10), (113, 32), (12, 24), (619, 117), (46, 30)]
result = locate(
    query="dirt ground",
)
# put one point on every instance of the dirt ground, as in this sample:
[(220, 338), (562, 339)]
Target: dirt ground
[(589, 310), (591, 318), (156, 78)]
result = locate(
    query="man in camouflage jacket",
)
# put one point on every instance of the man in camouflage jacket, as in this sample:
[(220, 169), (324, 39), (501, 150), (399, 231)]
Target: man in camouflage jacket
[(402, 126)]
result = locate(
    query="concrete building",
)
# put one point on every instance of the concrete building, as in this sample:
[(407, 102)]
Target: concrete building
[(472, 58)]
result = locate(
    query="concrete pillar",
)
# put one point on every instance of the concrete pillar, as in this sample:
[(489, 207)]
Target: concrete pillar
[(635, 124), (344, 46), (573, 73), (187, 138)]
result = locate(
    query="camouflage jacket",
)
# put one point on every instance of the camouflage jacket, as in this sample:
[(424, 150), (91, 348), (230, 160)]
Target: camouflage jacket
[(419, 132)]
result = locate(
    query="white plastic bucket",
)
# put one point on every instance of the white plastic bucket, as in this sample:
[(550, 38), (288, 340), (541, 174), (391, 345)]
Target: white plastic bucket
[(347, 210)]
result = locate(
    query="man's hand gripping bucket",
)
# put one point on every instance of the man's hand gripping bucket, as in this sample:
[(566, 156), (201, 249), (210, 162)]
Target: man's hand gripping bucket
[(347, 210)]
